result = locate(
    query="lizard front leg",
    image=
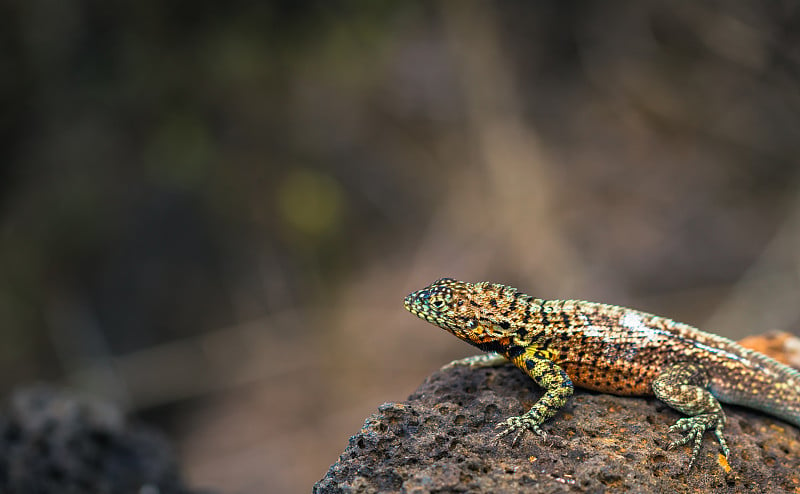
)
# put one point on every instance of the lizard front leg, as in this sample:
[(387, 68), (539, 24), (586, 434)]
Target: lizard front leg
[(483, 360), (558, 388), (684, 387)]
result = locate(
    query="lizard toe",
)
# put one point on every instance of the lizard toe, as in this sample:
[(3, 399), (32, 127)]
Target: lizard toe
[(694, 428), (518, 426)]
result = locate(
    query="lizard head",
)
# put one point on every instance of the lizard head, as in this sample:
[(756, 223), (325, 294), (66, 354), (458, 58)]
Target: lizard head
[(438, 303), (467, 310)]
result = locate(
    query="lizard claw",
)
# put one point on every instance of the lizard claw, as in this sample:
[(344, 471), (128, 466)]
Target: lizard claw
[(518, 425), (695, 427)]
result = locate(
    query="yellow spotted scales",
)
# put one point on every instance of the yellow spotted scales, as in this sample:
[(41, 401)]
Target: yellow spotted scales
[(611, 349)]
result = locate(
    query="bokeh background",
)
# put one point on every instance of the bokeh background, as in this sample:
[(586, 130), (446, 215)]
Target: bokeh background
[(210, 212)]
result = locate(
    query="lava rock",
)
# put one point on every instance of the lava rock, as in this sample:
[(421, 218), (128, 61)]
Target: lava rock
[(54, 442), (442, 439)]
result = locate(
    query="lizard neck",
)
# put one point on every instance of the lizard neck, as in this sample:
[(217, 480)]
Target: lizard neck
[(501, 318), (503, 347)]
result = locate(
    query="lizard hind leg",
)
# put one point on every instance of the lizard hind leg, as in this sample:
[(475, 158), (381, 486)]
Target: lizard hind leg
[(684, 387)]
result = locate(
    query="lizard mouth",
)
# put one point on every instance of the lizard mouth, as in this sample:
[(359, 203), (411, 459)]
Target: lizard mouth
[(409, 305)]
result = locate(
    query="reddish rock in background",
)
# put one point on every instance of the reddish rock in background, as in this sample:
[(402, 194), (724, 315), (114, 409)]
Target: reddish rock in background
[(783, 347)]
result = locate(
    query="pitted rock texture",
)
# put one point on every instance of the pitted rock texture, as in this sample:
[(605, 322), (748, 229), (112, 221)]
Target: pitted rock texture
[(442, 439)]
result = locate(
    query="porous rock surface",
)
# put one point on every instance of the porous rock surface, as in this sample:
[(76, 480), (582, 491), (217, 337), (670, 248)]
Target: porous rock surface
[(442, 440)]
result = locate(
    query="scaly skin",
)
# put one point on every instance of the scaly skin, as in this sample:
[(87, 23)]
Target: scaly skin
[(611, 349)]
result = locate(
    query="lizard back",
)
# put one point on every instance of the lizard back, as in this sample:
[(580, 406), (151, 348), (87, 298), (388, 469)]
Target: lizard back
[(640, 346)]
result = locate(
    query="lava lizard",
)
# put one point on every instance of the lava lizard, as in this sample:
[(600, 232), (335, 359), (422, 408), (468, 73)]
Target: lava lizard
[(611, 349)]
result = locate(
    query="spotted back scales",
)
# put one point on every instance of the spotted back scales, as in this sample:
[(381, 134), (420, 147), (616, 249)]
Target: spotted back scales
[(611, 349)]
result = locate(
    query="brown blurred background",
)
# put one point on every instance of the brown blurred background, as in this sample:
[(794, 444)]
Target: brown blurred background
[(211, 211)]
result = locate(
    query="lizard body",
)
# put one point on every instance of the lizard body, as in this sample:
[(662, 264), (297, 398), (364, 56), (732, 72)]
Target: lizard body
[(611, 349)]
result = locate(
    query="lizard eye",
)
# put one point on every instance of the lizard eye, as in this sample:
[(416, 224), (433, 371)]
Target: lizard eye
[(437, 303)]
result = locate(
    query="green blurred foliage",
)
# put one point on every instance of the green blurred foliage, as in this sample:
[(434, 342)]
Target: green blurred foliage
[(147, 150)]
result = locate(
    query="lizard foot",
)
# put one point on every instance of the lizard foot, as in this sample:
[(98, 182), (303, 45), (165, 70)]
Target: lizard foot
[(694, 427), (518, 426)]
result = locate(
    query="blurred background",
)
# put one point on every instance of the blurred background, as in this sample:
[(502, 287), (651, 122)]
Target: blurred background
[(210, 212)]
